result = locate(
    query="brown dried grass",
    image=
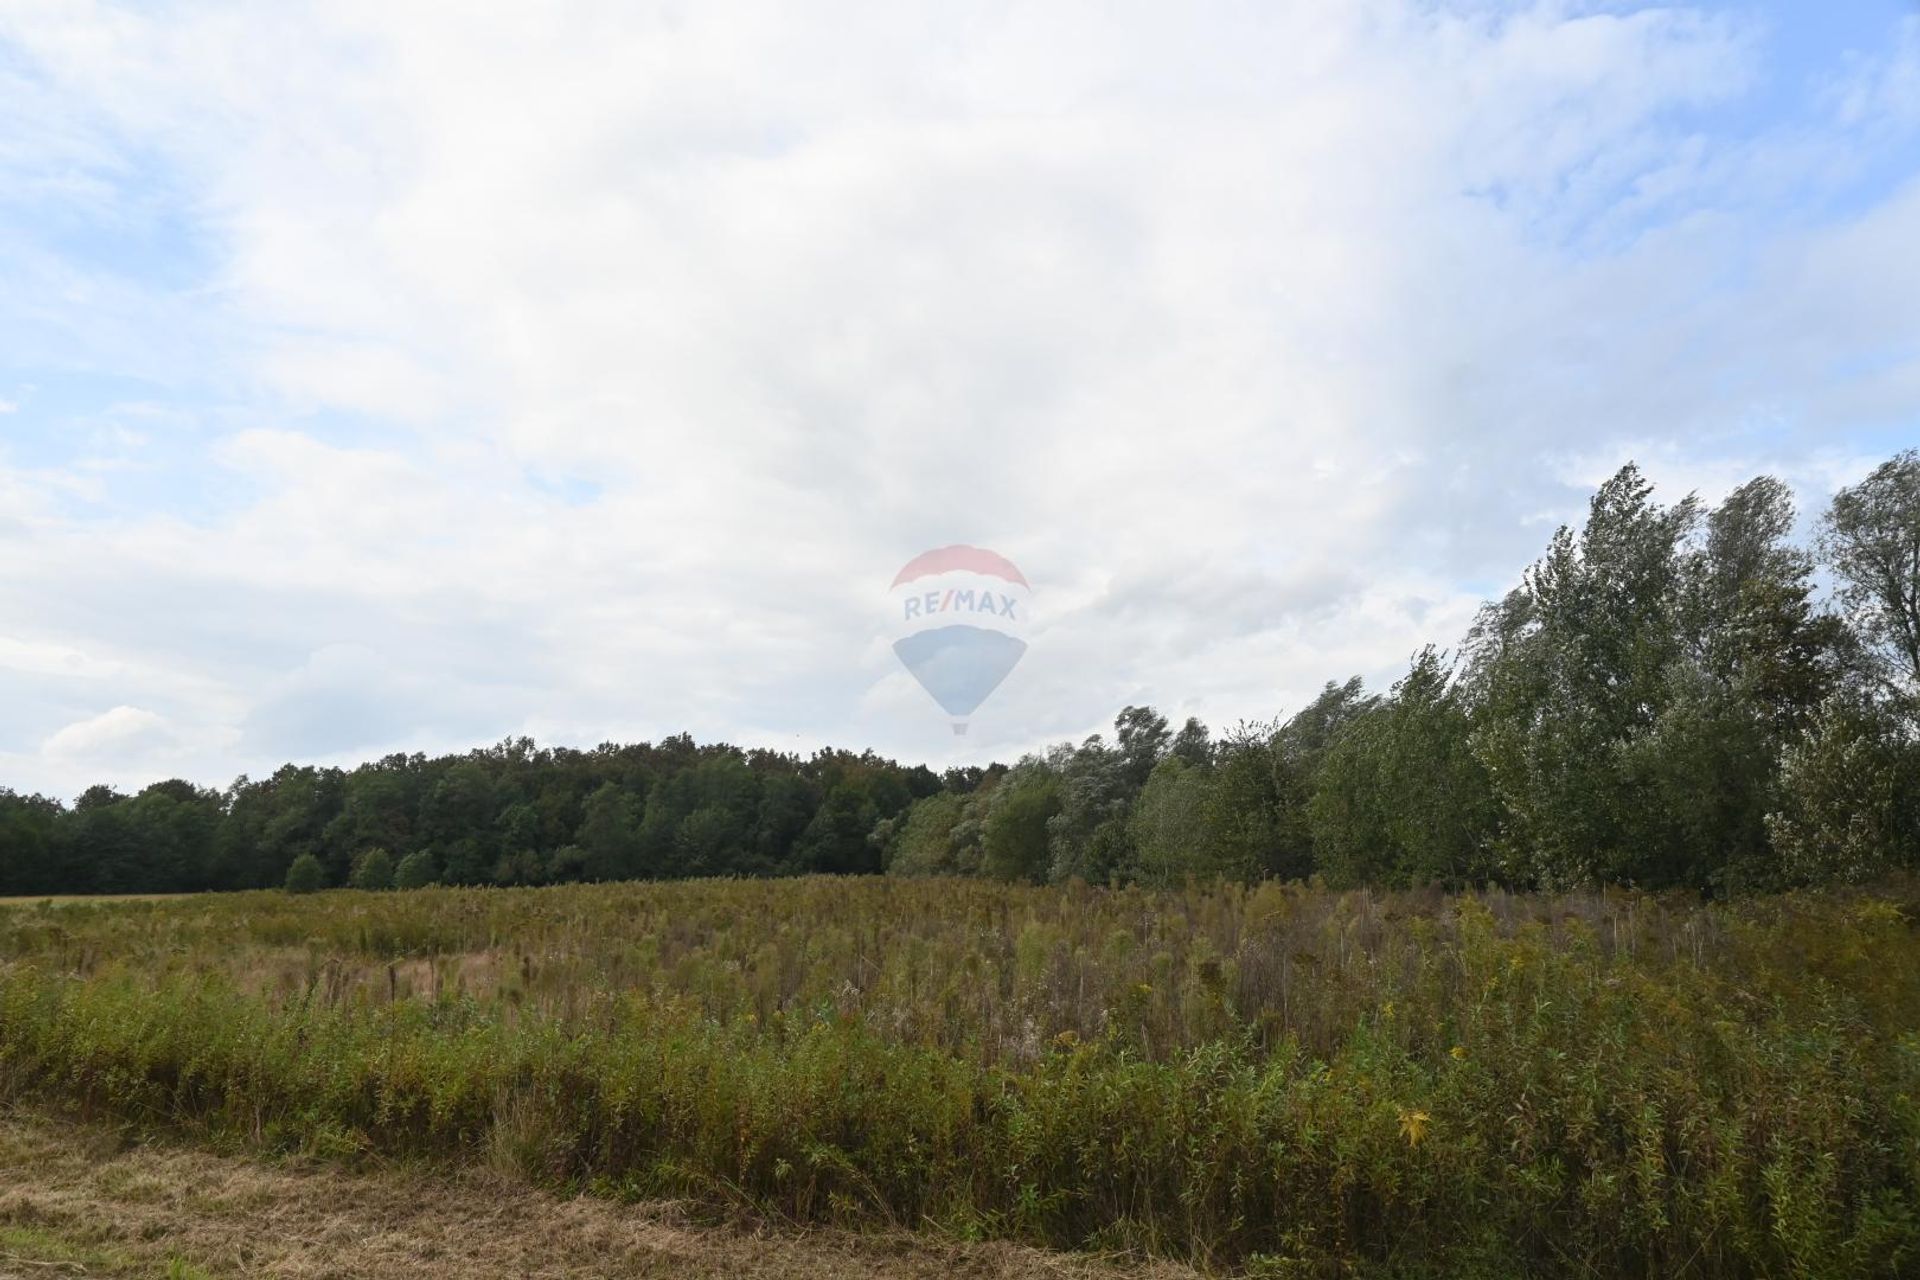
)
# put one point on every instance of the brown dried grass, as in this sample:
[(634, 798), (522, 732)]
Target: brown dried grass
[(82, 1200)]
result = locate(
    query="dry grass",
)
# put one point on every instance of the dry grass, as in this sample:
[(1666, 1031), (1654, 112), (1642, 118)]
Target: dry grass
[(79, 1200), (88, 899)]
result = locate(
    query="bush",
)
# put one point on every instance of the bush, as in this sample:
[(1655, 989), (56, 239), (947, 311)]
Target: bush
[(416, 871), (372, 870), (306, 875)]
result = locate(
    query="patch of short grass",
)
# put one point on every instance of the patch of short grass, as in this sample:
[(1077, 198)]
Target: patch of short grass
[(57, 1252)]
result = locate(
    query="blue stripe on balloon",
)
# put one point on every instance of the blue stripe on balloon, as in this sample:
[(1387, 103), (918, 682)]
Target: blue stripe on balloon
[(960, 665)]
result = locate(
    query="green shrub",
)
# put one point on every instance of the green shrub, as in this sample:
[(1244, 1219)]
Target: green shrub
[(416, 871), (372, 870), (306, 875)]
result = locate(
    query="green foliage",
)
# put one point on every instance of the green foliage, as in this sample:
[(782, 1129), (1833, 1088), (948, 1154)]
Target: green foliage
[(1850, 804), (416, 871), (925, 844), (372, 870), (1401, 798), (29, 829), (1581, 678), (1015, 833), (1871, 536), (837, 839), (1086, 834), (508, 814), (306, 875), (1192, 744), (1634, 697), (609, 833), (1169, 825), (1252, 829), (1299, 748), (1270, 1077)]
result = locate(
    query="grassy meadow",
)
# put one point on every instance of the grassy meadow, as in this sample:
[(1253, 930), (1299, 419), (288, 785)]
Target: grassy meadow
[(1274, 1080)]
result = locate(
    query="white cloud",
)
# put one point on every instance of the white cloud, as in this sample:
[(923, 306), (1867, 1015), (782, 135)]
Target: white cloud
[(1883, 88), (109, 736), (1259, 337)]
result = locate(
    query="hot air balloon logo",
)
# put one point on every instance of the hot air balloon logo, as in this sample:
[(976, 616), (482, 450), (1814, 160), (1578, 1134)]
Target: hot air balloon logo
[(960, 617)]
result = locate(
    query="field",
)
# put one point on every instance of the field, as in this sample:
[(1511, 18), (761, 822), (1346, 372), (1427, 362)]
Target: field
[(1273, 1080)]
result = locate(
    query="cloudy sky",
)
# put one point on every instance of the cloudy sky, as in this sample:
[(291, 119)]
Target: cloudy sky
[(385, 376)]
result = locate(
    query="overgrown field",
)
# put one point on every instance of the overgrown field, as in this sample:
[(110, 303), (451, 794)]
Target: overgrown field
[(1274, 1079)]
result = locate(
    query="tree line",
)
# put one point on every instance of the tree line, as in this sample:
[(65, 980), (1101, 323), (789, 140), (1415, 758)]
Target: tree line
[(508, 814), (1674, 696)]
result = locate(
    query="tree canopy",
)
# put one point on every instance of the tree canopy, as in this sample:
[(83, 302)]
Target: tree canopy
[(1666, 699)]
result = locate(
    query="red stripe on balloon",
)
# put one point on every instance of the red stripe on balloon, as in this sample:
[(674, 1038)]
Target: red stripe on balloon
[(968, 559)]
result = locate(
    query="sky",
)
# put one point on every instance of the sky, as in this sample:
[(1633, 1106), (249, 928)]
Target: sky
[(383, 377)]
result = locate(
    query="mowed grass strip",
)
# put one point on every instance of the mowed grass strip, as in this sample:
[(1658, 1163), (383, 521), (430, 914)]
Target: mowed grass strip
[(78, 1199)]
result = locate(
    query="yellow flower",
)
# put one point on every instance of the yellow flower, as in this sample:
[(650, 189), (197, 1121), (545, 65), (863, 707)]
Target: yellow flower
[(1459, 1053), (1387, 1008), (1413, 1126), (1143, 988)]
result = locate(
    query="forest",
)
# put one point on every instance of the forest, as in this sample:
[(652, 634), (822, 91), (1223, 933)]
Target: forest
[(1674, 696)]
